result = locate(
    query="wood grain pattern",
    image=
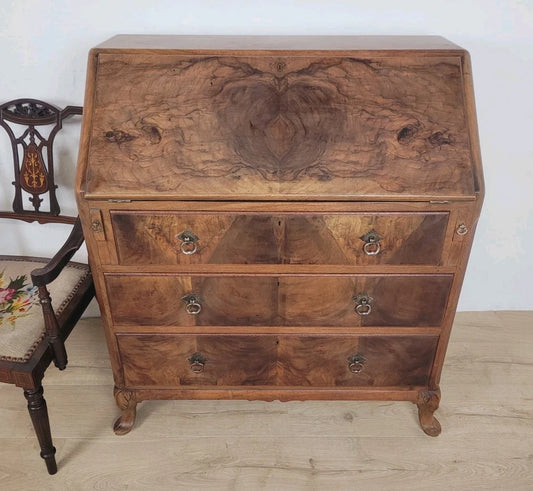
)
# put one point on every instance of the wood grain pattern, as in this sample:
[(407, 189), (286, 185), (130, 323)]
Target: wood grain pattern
[(159, 361), (251, 127), (388, 361), (264, 238), (263, 301), (147, 300), (317, 361)]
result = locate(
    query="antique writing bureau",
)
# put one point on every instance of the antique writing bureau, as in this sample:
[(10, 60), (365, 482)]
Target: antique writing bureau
[(278, 217)]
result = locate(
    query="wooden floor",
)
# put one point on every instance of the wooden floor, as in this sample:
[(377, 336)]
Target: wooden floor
[(486, 415)]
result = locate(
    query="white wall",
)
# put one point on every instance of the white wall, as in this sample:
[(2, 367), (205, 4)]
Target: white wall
[(43, 53)]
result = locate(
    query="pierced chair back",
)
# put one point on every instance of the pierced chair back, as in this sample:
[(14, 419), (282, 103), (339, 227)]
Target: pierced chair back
[(32, 126)]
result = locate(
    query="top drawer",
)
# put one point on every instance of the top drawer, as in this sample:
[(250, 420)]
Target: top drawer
[(283, 238)]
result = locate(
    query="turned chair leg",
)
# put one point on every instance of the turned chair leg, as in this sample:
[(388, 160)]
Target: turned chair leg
[(39, 418)]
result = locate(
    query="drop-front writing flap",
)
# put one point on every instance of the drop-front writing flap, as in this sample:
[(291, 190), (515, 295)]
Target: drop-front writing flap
[(168, 125)]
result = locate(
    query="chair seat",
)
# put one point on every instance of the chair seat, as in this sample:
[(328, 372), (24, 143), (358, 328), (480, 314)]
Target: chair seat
[(21, 317)]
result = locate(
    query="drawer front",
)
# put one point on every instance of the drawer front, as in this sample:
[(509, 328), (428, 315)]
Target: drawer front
[(311, 361), (169, 360), (339, 300), (346, 361), (261, 238)]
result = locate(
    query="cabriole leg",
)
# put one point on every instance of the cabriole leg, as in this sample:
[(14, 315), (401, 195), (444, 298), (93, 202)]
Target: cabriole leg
[(428, 402), (127, 403)]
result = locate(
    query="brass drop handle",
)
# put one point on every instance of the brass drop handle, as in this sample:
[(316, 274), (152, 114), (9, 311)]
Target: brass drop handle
[(96, 226), (356, 363), (193, 306), (372, 246), (462, 229), (363, 304), (188, 242), (197, 361)]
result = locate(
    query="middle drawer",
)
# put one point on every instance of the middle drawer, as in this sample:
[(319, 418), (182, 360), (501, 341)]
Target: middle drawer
[(267, 300)]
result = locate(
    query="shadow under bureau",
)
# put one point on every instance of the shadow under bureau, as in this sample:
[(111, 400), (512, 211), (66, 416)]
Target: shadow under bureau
[(278, 217)]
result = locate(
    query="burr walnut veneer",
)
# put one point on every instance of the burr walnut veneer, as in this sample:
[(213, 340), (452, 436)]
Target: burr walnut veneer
[(278, 217)]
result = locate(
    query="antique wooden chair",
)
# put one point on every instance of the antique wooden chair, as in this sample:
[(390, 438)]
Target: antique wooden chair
[(30, 336)]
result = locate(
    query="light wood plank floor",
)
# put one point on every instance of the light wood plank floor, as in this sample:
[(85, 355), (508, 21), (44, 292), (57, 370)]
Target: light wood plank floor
[(486, 414)]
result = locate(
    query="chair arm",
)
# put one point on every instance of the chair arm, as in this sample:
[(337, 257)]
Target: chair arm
[(47, 274), (70, 111)]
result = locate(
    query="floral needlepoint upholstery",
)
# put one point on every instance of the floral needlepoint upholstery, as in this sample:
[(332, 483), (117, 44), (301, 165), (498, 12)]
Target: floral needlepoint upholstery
[(21, 316)]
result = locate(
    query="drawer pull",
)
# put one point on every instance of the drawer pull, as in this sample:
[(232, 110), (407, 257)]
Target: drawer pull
[(197, 361), (188, 242), (462, 229), (356, 363), (372, 245), (96, 226), (363, 303), (193, 306)]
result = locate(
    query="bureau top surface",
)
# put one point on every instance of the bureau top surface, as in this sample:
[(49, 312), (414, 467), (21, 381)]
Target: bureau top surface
[(277, 43), (279, 118)]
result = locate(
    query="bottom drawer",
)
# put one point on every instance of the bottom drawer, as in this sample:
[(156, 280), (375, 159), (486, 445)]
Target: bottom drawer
[(168, 360)]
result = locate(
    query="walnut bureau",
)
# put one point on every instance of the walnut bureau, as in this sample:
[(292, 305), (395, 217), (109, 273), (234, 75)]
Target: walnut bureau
[(278, 217)]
